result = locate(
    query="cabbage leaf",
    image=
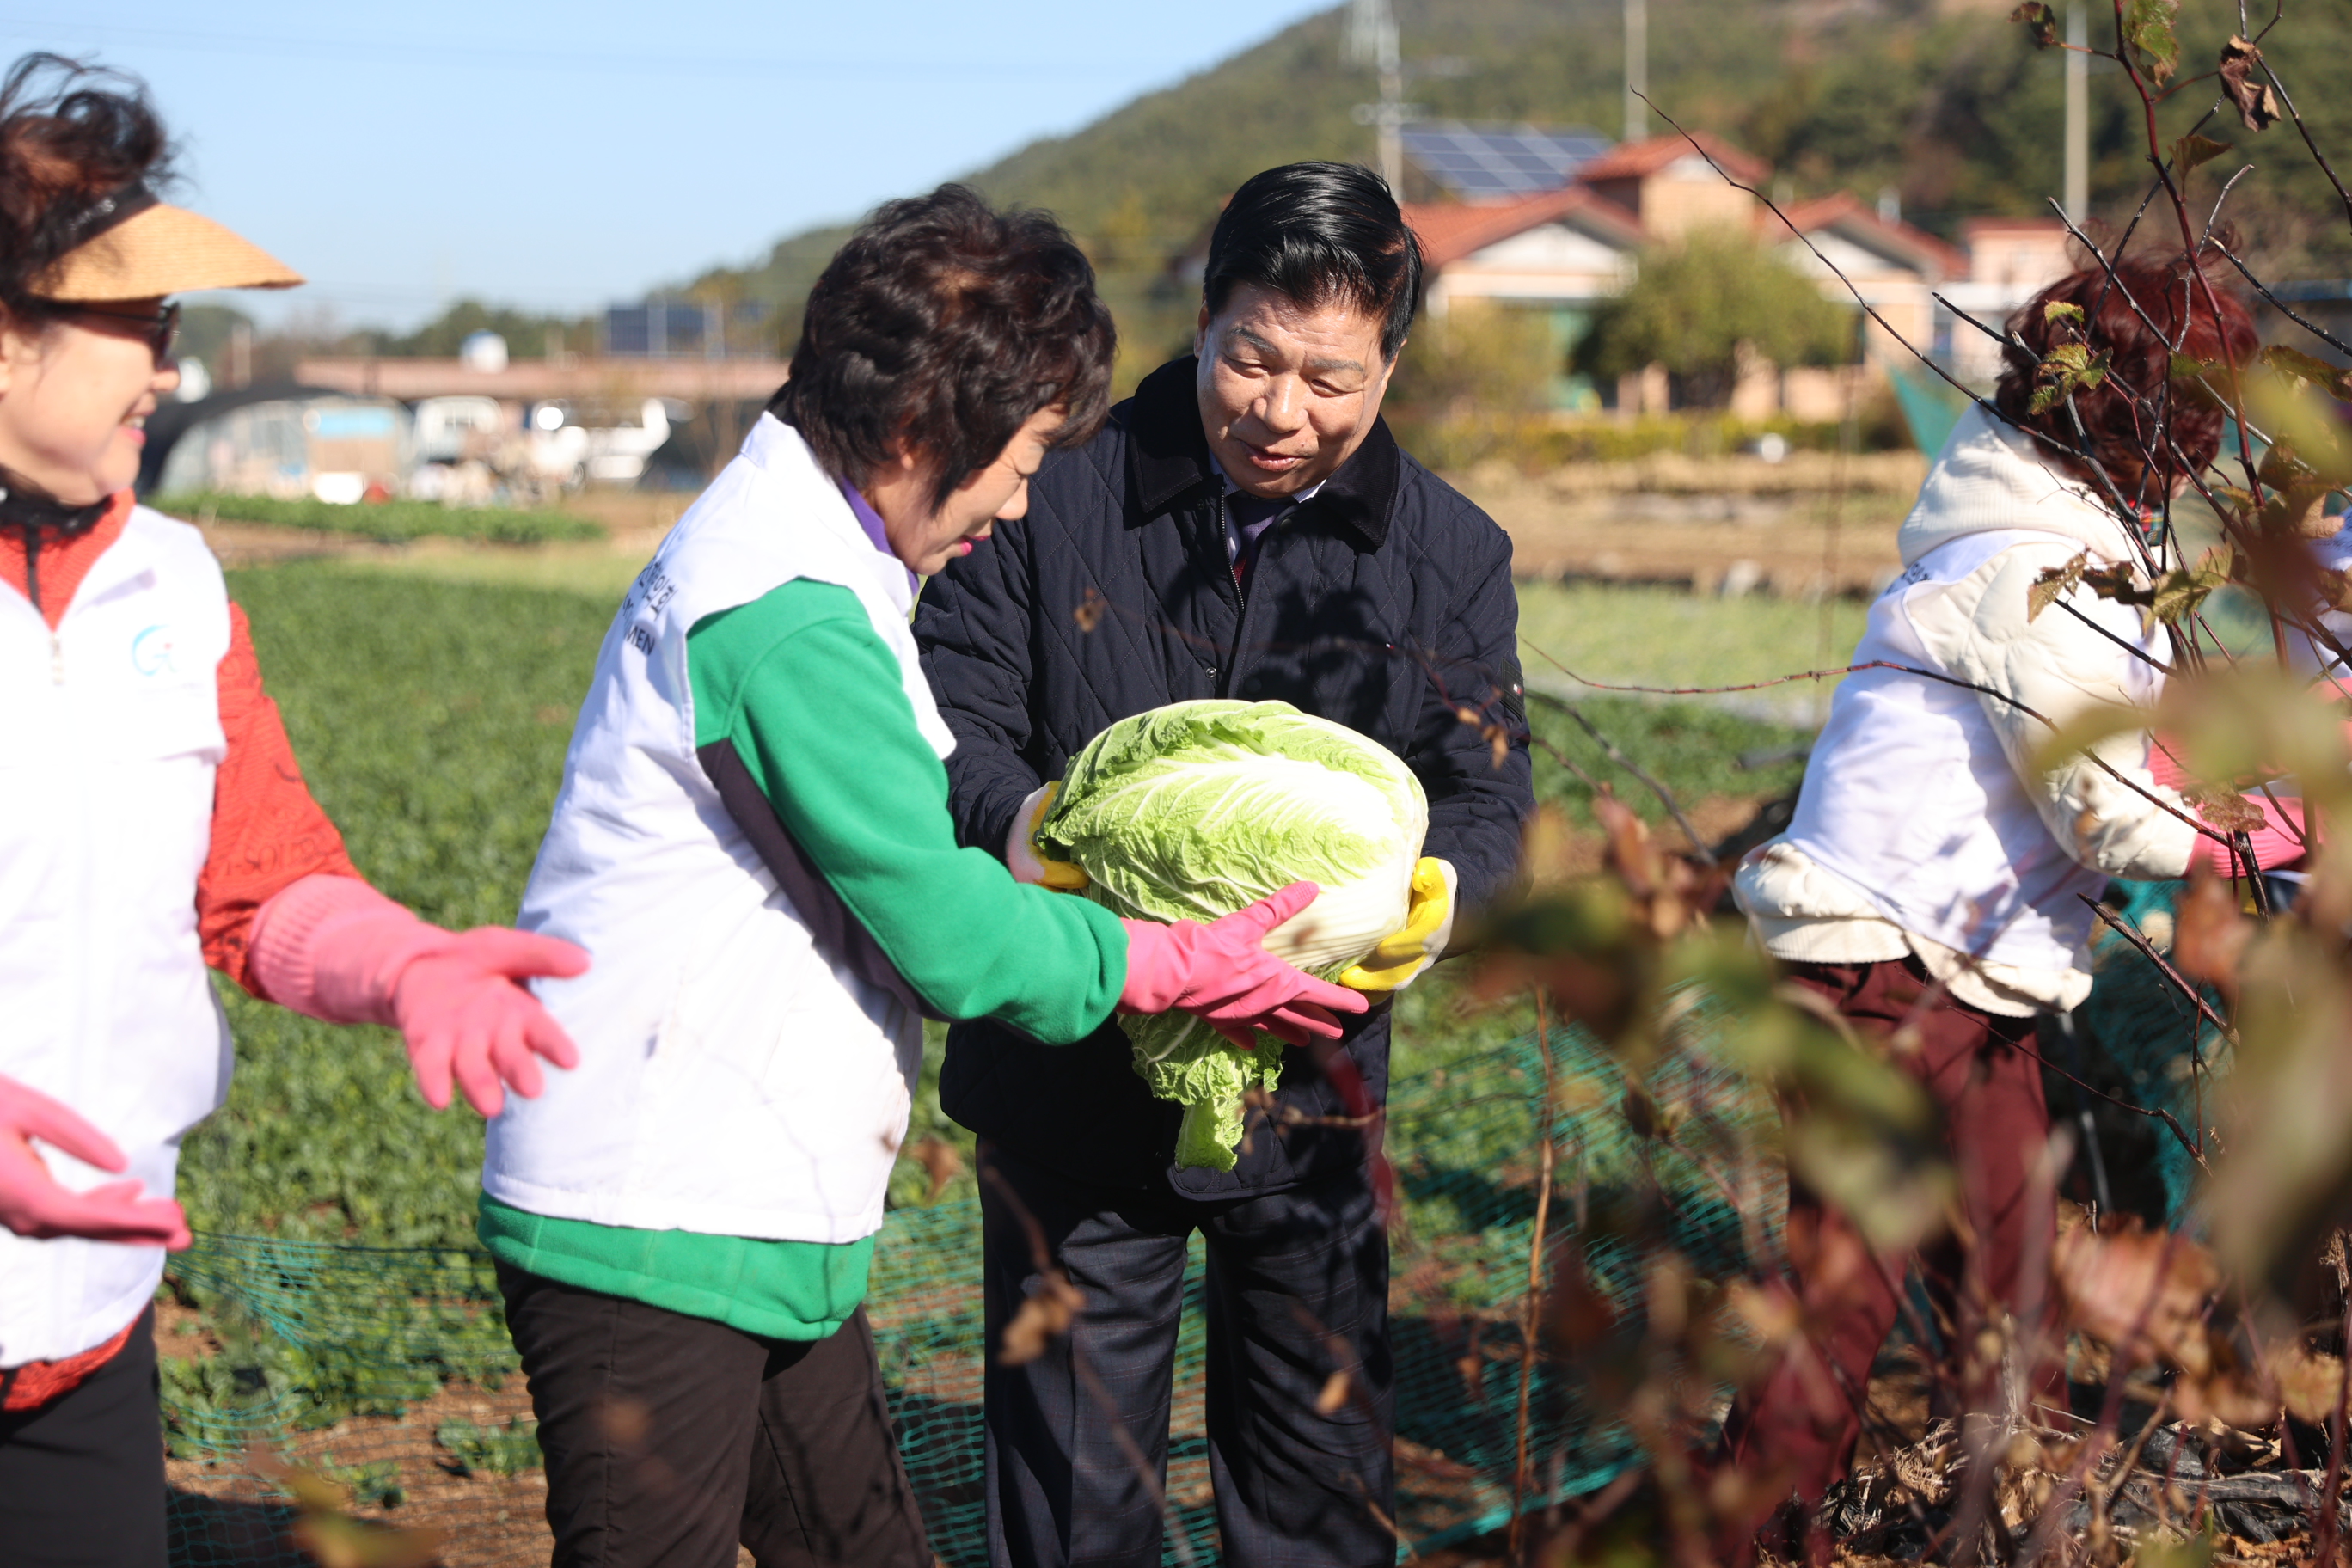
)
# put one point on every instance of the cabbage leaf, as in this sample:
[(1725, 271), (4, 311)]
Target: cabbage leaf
[(1197, 809)]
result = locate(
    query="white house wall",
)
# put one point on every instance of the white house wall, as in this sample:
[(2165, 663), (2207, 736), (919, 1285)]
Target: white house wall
[(1552, 261), (1855, 261)]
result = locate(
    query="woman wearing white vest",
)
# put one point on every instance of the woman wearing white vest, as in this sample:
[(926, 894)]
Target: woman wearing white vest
[(155, 822), (753, 834), (1935, 871)]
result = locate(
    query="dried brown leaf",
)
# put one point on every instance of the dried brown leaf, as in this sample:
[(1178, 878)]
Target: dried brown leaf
[(2054, 583), (2210, 932), (334, 1540), (2257, 105), (1575, 1313), (1043, 1318), (1770, 1311), (2309, 1384), (2224, 807), (941, 1162), (2301, 511), (2142, 1293), (2178, 594), (1665, 886), (2192, 152), (2039, 21)]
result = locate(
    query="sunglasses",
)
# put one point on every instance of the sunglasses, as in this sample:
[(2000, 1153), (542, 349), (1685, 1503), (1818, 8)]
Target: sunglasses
[(159, 328)]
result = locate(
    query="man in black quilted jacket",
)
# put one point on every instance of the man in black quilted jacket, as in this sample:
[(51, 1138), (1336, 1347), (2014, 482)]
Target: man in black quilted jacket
[(1244, 527)]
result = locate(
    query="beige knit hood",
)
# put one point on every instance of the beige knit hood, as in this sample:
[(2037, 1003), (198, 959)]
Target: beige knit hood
[(1992, 476)]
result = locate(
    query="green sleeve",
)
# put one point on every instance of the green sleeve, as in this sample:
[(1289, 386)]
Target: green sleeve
[(811, 702)]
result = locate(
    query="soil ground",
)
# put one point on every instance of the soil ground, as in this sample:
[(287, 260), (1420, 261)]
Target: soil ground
[(1733, 525)]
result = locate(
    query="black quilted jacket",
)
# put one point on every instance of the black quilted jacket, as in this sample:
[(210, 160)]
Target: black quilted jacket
[(1385, 604)]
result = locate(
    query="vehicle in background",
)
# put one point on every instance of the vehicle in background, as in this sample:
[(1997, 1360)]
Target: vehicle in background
[(574, 444), (468, 453), (454, 430)]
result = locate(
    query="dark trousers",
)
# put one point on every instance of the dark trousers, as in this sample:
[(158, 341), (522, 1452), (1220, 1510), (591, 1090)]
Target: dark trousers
[(669, 1440), (1296, 1289), (1801, 1420), (81, 1478)]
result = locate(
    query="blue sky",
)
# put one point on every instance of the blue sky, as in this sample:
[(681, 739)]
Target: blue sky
[(563, 156)]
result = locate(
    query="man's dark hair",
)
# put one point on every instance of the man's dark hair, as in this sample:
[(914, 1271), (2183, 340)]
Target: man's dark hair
[(945, 323), (1319, 234)]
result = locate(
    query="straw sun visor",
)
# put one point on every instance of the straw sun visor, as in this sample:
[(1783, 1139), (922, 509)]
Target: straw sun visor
[(161, 250)]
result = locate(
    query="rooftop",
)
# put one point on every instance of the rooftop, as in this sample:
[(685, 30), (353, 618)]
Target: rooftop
[(1501, 162)]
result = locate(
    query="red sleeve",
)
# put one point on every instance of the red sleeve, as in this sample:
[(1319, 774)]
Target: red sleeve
[(267, 830)]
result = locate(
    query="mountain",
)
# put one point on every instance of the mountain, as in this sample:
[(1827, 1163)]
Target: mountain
[(1946, 103)]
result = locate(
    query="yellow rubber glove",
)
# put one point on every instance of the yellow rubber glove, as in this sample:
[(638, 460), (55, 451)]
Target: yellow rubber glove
[(1404, 954), (1027, 862)]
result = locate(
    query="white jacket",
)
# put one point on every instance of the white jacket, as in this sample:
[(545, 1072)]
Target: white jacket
[(106, 806), (731, 1081), (1926, 823)]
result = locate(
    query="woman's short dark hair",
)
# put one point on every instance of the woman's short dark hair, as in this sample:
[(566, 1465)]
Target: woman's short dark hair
[(2133, 312), (947, 324), (69, 134), (1317, 234)]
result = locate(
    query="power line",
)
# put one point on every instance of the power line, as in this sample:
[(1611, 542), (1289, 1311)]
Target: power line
[(506, 57)]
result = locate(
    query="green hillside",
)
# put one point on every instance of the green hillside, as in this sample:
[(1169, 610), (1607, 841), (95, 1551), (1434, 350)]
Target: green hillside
[(1948, 104)]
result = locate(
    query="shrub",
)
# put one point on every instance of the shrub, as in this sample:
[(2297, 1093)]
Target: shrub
[(1701, 305)]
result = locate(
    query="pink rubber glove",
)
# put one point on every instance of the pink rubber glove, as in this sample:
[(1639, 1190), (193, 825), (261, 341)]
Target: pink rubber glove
[(33, 1203), (1222, 972), (335, 948), (2277, 842)]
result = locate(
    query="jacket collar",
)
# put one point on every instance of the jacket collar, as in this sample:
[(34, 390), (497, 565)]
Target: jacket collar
[(821, 503), (1169, 464)]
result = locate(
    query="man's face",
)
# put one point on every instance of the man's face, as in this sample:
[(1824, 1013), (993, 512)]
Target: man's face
[(1288, 394)]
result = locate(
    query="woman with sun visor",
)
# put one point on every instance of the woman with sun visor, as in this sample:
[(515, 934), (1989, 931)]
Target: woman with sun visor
[(155, 824)]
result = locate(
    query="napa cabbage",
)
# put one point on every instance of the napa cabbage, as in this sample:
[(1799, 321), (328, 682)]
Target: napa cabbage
[(1197, 809)]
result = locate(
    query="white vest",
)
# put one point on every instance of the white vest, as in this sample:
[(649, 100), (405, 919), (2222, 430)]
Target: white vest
[(732, 1081), (106, 806), (1911, 797)]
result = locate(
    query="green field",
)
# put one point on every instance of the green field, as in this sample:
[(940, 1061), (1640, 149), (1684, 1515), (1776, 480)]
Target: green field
[(432, 716), (388, 521), (1640, 636), (1657, 637), (431, 720)]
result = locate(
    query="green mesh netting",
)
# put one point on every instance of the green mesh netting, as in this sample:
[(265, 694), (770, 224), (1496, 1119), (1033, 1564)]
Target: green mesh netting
[(389, 1373), (2159, 1052)]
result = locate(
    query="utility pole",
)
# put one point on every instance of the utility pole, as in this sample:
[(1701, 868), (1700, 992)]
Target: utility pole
[(1637, 69), (2078, 114), (1372, 40)]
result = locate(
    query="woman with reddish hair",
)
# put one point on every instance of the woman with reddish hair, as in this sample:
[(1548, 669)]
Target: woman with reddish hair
[(1934, 877), (156, 825)]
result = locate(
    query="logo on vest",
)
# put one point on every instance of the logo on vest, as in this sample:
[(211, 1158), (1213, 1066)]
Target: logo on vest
[(152, 652)]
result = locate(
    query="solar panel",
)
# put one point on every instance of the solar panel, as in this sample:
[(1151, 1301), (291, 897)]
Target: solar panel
[(1495, 163)]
